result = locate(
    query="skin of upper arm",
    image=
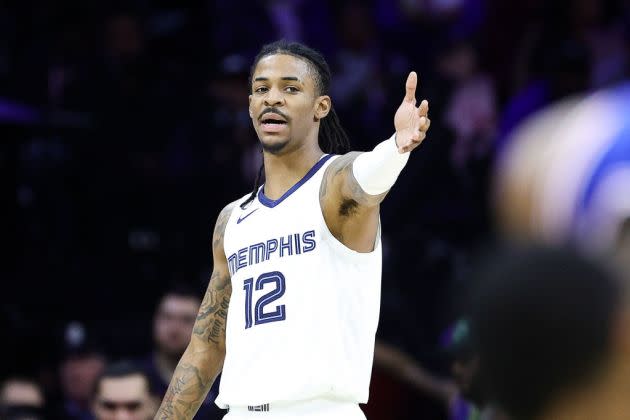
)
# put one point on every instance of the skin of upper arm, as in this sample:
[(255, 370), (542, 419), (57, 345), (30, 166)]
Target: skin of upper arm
[(211, 322), (351, 214)]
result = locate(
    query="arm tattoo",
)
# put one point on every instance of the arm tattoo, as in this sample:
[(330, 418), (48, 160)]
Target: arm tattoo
[(203, 359), (188, 382), (212, 318), (352, 195)]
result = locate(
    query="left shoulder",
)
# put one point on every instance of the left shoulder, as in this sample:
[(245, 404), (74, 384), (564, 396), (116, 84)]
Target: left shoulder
[(340, 186), (338, 166)]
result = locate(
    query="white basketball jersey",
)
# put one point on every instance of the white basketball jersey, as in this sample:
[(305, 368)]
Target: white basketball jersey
[(304, 307)]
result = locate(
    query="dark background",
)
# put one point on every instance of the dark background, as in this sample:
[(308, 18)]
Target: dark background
[(124, 131)]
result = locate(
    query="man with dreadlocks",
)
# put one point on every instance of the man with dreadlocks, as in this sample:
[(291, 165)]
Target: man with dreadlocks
[(297, 261)]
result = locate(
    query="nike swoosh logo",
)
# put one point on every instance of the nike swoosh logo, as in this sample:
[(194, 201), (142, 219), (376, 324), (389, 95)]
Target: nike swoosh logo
[(240, 219)]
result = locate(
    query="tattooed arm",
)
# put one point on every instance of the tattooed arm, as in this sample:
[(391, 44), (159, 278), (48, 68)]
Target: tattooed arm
[(203, 359), (355, 184), (350, 213)]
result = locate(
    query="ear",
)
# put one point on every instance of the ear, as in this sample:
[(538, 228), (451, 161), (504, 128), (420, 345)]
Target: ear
[(251, 114), (323, 105)]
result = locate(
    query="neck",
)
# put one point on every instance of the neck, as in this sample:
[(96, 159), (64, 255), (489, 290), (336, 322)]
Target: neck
[(165, 365), (282, 171)]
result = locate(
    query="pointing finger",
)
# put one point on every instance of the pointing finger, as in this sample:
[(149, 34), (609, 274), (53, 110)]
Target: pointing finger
[(410, 87)]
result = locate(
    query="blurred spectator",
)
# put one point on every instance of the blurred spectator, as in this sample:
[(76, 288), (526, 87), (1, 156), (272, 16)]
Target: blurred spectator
[(358, 82), (471, 111), (460, 17), (21, 399), (83, 362), (229, 115), (402, 366), (599, 24), (123, 392), (471, 403), (269, 20), (172, 327), (565, 71)]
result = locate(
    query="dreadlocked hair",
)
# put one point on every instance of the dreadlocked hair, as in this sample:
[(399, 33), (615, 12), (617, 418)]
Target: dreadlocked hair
[(332, 137)]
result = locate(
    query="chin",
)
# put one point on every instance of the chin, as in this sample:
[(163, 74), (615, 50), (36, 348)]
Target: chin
[(274, 146)]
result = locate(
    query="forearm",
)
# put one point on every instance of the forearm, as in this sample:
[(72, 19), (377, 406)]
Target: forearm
[(193, 378), (376, 171), (203, 359), (403, 367)]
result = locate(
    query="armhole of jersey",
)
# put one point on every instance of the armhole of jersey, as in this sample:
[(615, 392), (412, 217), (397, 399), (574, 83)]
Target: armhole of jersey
[(336, 243), (237, 204)]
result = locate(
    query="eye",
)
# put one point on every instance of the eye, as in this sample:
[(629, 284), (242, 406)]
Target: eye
[(291, 89), (261, 89)]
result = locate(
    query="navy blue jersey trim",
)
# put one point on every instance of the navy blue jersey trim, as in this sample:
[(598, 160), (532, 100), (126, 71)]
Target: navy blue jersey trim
[(267, 202)]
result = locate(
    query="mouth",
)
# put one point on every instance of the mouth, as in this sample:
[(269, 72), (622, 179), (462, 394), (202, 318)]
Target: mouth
[(273, 123)]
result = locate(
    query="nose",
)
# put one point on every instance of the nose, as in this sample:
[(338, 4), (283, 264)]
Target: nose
[(273, 97)]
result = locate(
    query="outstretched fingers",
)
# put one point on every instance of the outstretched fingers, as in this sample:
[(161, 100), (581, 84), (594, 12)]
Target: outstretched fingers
[(423, 112), (423, 109), (426, 125), (410, 87)]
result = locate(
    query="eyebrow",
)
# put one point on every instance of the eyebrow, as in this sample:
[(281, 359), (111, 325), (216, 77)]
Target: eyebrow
[(262, 79)]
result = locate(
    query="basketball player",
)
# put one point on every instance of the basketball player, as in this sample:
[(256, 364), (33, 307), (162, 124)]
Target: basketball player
[(297, 262)]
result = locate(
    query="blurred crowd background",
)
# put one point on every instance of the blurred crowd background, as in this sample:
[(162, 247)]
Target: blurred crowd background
[(125, 131)]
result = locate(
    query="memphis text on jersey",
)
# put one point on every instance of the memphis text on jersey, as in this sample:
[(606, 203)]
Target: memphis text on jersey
[(291, 244)]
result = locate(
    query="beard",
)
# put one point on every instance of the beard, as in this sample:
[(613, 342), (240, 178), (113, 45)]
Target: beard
[(274, 148)]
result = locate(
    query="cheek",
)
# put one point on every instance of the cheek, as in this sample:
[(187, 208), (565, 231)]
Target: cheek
[(306, 114)]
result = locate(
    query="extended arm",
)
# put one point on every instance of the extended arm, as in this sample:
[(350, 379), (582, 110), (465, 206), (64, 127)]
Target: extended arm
[(203, 359), (355, 184)]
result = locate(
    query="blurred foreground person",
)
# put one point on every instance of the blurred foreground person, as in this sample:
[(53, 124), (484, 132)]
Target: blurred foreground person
[(123, 392), (565, 176), (21, 399), (553, 334), (553, 327)]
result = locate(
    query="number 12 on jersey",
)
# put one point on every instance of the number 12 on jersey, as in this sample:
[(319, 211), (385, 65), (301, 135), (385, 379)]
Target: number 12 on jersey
[(256, 314)]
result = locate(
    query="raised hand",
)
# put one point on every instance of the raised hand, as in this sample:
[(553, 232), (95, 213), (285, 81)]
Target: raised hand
[(411, 122)]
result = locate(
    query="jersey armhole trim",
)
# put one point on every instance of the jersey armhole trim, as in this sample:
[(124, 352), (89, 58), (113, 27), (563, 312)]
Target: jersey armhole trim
[(341, 246)]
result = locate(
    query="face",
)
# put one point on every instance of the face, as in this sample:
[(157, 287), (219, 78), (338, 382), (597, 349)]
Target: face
[(78, 375), (125, 398), (173, 324), (283, 106)]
